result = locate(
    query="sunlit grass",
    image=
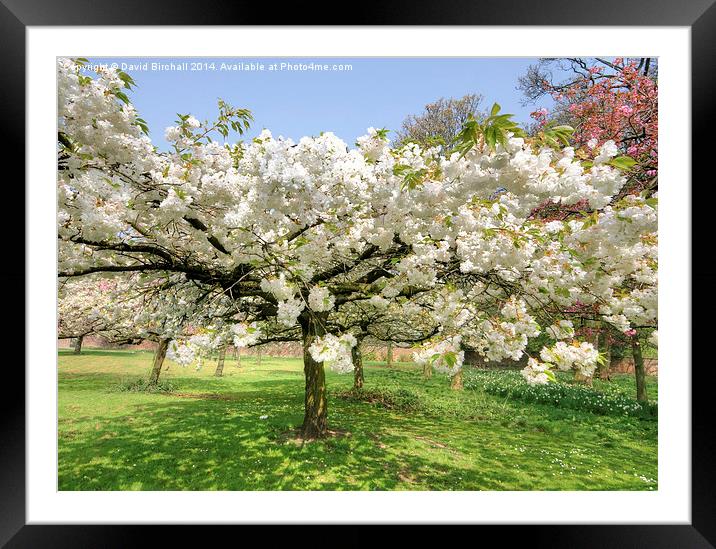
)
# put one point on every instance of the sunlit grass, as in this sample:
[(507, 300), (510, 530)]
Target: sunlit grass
[(207, 434)]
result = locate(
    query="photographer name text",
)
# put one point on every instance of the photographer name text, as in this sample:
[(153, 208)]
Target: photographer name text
[(203, 66)]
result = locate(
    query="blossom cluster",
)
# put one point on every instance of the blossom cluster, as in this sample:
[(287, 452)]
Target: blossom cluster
[(334, 351), (563, 329), (320, 299), (245, 335), (579, 355), (446, 356), (181, 353), (537, 373)]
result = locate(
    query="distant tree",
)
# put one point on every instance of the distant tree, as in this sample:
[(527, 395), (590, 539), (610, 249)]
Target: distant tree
[(220, 363), (441, 121), (550, 75), (603, 100)]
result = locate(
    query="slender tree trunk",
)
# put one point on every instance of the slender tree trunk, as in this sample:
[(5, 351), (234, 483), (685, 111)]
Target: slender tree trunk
[(456, 381), (315, 419), (427, 370), (159, 355), (259, 352), (389, 354), (238, 357), (581, 378), (78, 345), (357, 366), (639, 371), (220, 364)]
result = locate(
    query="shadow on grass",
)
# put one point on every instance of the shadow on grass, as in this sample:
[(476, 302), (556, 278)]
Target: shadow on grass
[(463, 441), (103, 352), (203, 444)]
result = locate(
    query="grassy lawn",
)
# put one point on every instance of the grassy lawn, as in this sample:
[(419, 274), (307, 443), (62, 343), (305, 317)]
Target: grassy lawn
[(207, 434)]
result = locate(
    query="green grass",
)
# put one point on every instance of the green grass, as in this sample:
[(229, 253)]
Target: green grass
[(402, 433)]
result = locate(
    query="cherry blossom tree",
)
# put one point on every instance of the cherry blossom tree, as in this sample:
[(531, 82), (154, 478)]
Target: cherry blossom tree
[(291, 232), (604, 100), (130, 308), (85, 307)]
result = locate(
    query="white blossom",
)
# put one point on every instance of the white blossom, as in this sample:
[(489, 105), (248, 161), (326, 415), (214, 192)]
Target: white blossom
[(320, 299)]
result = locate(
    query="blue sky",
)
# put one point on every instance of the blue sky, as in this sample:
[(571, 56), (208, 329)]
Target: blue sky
[(378, 92)]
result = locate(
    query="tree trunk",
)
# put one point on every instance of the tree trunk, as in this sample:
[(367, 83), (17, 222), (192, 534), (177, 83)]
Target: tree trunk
[(581, 378), (78, 345), (259, 352), (315, 419), (357, 367), (220, 364), (159, 355), (389, 354), (427, 370), (639, 371), (238, 357), (456, 381)]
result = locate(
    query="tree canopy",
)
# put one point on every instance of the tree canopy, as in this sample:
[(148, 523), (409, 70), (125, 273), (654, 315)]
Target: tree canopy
[(277, 235)]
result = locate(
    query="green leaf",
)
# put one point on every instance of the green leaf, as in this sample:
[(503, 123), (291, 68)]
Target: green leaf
[(121, 96), (128, 81), (563, 292), (382, 133), (400, 169), (491, 137), (495, 109), (622, 162)]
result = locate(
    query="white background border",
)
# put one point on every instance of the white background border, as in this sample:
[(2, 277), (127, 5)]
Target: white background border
[(670, 504)]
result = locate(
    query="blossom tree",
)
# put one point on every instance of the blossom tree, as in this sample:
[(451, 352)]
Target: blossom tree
[(290, 232), (604, 100), (85, 308), (134, 307)]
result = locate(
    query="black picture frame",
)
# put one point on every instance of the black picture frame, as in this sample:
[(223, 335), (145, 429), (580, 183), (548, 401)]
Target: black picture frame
[(699, 15)]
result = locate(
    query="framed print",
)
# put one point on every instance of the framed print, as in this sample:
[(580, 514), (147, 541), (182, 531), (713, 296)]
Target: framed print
[(402, 271)]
